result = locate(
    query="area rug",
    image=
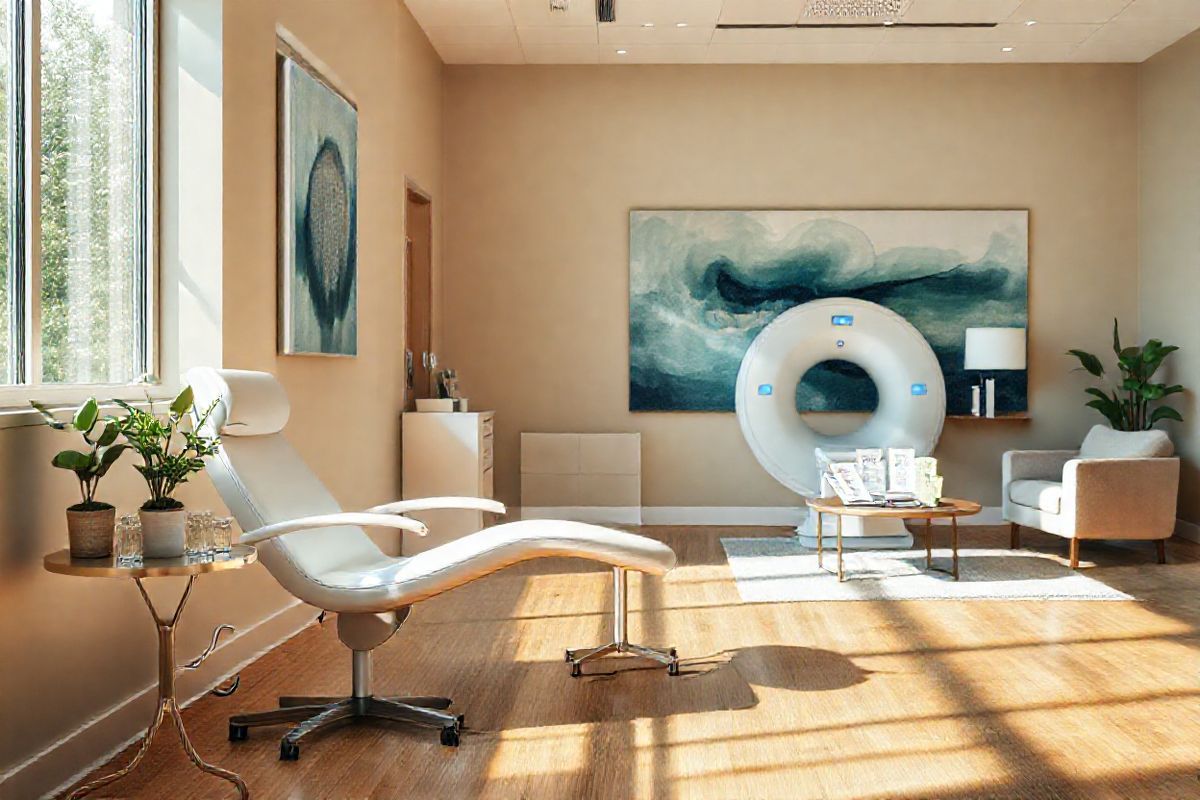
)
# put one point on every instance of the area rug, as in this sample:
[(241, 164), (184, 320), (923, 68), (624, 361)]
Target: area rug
[(781, 570)]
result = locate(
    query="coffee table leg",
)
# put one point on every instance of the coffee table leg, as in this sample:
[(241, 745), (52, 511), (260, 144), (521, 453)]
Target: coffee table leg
[(954, 543), (841, 574), (928, 543), (820, 553)]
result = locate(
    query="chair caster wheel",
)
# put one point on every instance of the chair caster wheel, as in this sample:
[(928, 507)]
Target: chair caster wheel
[(568, 657), (576, 670), (672, 653), (289, 751), (673, 668), (450, 737), (238, 733)]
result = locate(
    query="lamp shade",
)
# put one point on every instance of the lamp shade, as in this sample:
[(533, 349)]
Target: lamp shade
[(994, 348)]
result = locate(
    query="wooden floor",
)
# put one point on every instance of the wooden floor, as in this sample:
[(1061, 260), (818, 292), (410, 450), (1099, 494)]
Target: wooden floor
[(916, 699)]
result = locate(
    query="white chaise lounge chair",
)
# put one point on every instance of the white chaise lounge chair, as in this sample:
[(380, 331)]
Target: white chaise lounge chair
[(322, 555)]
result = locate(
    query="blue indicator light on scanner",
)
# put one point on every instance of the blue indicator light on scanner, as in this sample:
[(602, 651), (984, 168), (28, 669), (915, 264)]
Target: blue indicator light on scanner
[(920, 389), (765, 389), (843, 320)]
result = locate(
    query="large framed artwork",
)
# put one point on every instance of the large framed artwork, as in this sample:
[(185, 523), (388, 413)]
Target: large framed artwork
[(318, 163), (703, 283)]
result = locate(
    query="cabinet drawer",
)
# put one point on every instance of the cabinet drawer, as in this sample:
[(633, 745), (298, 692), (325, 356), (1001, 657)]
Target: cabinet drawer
[(486, 424)]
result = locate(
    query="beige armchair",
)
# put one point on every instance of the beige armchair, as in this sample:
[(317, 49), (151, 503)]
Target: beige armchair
[(1118, 485)]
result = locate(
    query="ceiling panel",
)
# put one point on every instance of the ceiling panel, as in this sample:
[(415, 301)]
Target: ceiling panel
[(741, 12), (558, 34), (1067, 11), (668, 34), (683, 31)]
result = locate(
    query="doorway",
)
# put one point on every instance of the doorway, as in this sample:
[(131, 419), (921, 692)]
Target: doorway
[(419, 360)]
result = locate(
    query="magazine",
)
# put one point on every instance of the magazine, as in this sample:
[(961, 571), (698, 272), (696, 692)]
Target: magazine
[(873, 470), (848, 484), (902, 474)]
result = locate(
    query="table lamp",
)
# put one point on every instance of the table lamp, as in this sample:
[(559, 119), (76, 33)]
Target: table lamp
[(989, 350)]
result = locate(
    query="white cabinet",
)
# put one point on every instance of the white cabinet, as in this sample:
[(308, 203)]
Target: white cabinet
[(446, 454)]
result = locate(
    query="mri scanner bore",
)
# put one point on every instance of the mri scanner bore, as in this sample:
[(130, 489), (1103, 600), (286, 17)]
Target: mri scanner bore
[(906, 373)]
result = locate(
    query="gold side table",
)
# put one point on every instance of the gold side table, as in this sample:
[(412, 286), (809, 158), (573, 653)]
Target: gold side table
[(61, 562), (947, 508)]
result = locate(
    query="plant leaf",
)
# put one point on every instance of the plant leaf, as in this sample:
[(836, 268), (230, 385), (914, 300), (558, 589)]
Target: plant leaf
[(1165, 412), (48, 416), (109, 435), (1116, 337), (72, 460), (86, 416), (1089, 362), (108, 457), (1176, 389), (183, 402)]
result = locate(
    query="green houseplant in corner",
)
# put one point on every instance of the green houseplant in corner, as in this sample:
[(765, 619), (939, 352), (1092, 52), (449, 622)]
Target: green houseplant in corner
[(1135, 403), (90, 521), (171, 450)]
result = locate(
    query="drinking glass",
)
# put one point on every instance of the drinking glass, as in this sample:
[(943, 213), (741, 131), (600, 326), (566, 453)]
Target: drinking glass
[(128, 535), (222, 535), (198, 539)]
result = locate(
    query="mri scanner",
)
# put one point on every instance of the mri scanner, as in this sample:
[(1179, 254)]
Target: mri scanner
[(911, 410)]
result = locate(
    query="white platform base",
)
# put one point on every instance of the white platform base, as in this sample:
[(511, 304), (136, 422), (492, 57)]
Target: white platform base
[(858, 533)]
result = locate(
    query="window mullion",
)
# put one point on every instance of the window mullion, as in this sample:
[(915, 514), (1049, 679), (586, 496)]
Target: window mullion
[(31, 227)]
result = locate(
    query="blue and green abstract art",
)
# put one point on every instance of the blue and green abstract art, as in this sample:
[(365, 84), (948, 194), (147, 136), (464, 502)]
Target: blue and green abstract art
[(318, 216), (703, 283)]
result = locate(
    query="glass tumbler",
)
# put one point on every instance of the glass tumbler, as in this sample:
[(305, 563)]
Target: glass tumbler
[(197, 542), (128, 541), (222, 535)]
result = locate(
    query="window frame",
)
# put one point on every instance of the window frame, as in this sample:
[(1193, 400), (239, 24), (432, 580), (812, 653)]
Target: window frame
[(24, 279)]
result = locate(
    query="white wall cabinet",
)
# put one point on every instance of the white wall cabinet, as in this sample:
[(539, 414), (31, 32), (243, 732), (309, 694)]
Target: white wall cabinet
[(446, 454)]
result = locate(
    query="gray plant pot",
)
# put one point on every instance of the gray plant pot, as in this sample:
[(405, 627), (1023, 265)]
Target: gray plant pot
[(163, 533)]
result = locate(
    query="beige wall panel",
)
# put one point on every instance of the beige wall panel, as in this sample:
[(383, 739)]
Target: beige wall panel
[(543, 165)]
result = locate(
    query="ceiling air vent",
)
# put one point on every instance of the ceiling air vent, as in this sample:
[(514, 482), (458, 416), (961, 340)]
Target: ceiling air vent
[(605, 11)]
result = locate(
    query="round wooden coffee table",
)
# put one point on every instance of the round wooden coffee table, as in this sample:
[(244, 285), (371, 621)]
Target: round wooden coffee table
[(948, 508)]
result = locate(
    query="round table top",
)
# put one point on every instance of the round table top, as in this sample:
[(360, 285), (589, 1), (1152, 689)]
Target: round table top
[(107, 567), (948, 507)]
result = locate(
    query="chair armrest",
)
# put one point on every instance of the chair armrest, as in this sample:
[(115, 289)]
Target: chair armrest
[(1045, 465), (433, 503), (1121, 498), (359, 518)]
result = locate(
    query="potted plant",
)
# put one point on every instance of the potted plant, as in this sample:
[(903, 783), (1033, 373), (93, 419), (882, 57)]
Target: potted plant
[(90, 521), (1130, 406), (170, 451)]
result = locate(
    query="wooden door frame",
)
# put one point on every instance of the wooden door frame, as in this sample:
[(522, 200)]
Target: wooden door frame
[(413, 191)]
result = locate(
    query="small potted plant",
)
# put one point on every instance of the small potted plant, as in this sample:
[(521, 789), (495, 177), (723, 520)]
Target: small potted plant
[(170, 451), (1135, 403), (89, 522)]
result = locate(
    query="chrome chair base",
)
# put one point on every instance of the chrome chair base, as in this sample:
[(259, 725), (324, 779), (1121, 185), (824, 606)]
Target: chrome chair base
[(621, 644), (312, 715)]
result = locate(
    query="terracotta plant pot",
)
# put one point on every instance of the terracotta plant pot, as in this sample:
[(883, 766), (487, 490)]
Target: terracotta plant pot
[(163, 533), (90, 533)]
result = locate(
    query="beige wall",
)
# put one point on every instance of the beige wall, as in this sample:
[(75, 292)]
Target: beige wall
[(75, 649), (543, 165), (1170, 237)]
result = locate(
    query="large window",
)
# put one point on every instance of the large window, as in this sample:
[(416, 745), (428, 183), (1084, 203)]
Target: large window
[(76, 268)]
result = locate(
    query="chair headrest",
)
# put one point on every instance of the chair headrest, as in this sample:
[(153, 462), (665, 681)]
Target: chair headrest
[(253, 403)]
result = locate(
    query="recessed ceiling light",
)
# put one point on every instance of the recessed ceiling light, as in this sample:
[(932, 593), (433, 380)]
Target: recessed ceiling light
[(680, 24), (647, 24), (622, 52), (1029, 22), (889, 22), (1007, 49)]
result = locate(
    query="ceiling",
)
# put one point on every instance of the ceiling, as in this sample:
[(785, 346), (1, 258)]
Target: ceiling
[(687, 32)]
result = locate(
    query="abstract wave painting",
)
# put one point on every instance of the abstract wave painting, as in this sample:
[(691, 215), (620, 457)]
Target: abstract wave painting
[(704, 283), (318, 215)]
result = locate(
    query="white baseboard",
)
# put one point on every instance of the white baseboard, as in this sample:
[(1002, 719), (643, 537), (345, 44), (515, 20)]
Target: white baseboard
[(772, 516), (114, 729), (619, 515), (1187, 530)]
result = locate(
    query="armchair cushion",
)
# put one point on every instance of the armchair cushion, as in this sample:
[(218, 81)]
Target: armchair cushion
[(1042, 495), (1103, 442)]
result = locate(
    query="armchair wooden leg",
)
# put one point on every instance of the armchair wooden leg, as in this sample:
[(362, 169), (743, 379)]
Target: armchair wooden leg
[(1074, 553), (1014, 536), (1161, 546)]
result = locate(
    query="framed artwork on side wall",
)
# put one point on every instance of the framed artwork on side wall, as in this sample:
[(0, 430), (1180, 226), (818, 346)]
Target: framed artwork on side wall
[(318, 198), (704, 283)]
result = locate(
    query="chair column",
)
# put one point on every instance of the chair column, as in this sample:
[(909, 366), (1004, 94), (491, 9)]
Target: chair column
[(361, 673), (620, 607)]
